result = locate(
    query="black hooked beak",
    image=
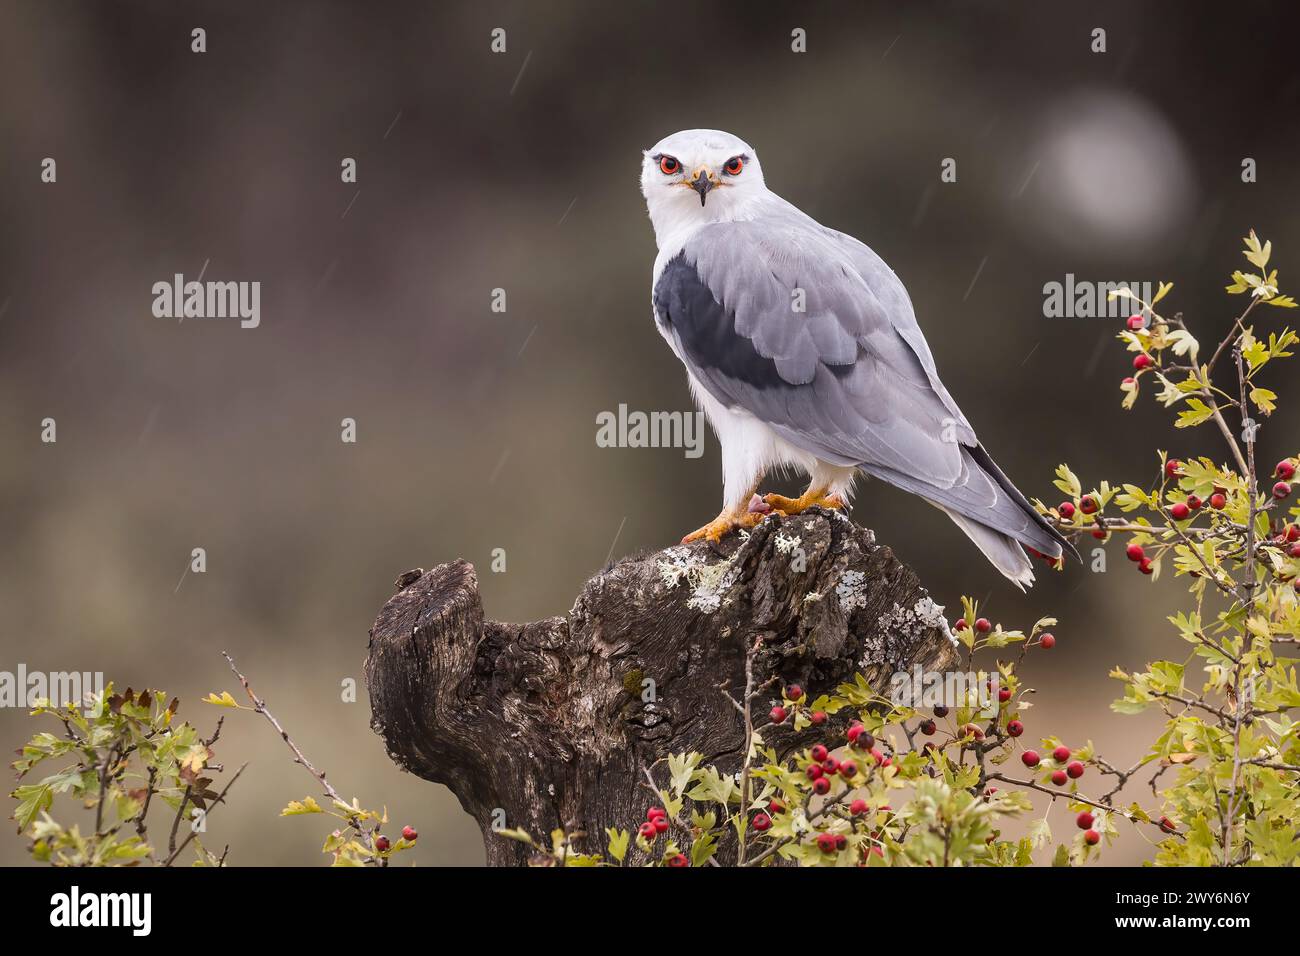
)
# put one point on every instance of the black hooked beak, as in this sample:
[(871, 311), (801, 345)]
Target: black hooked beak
[(702, 184)]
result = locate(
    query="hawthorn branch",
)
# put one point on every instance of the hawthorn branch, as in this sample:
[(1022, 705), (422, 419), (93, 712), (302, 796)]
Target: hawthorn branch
[(1077, 798), (221, 798), (259, 706), (749, 748), (1272, 764)]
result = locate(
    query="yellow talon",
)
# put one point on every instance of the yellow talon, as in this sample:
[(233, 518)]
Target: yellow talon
[(809, 499), (723, 523)]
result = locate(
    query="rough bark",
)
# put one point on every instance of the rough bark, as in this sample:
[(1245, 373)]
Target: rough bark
[(551, 724)]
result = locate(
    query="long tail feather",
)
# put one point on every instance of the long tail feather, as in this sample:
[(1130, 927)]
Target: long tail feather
[(1003, 551)]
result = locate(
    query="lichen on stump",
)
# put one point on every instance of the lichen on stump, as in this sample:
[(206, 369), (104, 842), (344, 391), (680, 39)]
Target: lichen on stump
[(551, 724)]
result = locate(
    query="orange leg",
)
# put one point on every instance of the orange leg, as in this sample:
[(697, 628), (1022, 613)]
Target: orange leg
[(812, 498), (729, 519)]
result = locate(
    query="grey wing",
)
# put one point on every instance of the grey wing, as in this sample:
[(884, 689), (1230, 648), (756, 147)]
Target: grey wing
[(848, 379), (772, 316)]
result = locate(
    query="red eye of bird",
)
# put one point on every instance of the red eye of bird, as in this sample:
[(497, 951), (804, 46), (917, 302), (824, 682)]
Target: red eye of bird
[(734, 166), (668, 165)]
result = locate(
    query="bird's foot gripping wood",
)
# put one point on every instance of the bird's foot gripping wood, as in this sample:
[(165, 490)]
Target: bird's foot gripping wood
[(723, 523), (809, 499)]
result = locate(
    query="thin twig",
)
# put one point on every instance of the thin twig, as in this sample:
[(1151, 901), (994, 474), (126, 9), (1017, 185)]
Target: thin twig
[(220, 798)]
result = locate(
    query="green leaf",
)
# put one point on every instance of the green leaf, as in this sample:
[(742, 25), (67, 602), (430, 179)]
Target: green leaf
[(1197, 413), (299, 807), (1067, 481), (1264, 399), (680, 769), (704, 846), (1255, 253), (618, 840), (32, 799)]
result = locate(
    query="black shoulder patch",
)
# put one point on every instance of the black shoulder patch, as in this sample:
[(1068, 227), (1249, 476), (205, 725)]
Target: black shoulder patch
[(706, 328)]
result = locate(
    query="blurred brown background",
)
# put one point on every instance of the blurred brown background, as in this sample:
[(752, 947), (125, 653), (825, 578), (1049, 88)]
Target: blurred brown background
[(477, 430)]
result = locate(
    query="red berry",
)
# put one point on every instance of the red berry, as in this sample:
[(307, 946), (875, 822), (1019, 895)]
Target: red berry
[(778, 715), (826, 842), (381, 843), (853, 732), (983, 625), (928, 727), (1145, 567), (1015, 728), (1173, 468), (1004, 694), (970, 730), (1135, 552), (1084, 820), (1029, 758), (940, 710), (959, 624), (1088, 504), (1285, 469), (1061, 754), (1167, 825), (647, 830), (819, 752), (818, 717), (655, 812), (1099, 534), (814, 771), (762, 821), (1218, 501), (1193, 502), (776, 806), (1293, 532), (1075, 770), (1048, 641), (1136, 322), (858, 807), (1066, 510), (831, 765), (660, 824), (841, 841), (1092, 837), (1281, 490), (821, 786), (1059, 778), (1141, 361), (1179, 512), (865, 740), (848, 769), (410, 833), (1294, 551), (678, 861), (793, 692)]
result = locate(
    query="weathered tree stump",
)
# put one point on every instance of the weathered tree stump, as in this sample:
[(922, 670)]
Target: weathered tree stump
[(551, 724)]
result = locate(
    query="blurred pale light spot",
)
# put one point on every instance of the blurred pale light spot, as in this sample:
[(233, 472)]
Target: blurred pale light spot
[(1110, 170)]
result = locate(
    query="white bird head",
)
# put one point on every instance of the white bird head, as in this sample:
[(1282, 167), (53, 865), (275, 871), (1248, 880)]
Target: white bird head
[(697, 176)]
